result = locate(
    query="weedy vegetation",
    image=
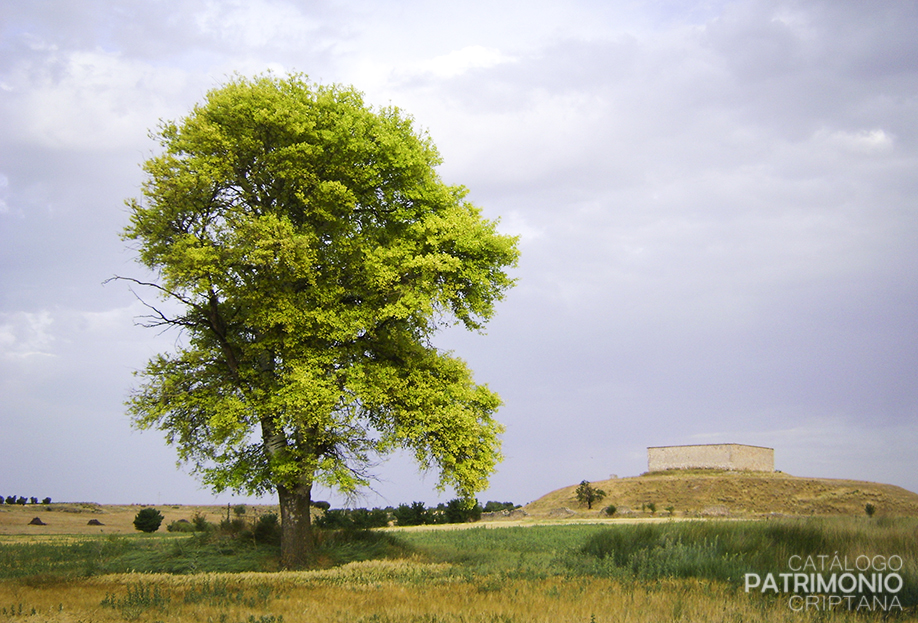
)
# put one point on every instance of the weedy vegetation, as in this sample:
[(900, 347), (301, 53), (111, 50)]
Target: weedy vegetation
[(666, 571)]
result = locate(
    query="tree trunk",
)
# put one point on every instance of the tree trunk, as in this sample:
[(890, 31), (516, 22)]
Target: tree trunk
[(297, 544)]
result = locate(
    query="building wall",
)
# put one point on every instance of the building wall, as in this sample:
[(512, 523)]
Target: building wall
[(711, 456)]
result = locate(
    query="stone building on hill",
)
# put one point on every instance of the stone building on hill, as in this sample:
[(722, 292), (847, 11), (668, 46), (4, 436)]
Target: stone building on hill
[(732, 456)]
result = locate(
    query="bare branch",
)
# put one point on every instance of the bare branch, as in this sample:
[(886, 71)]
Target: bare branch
[(155, 286)]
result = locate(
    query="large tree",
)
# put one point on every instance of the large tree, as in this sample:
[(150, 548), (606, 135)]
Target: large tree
[(310, 252)]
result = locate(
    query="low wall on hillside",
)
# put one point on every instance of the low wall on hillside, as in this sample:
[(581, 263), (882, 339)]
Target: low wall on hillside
[(732, 456)]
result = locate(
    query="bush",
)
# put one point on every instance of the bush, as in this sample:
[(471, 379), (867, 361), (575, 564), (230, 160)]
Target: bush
[(232, 527), (181, 525), (148, 520), (356, 519), (414, 515), (496, 507), (46, 501), (200, 523), (239, 510), (21, 501), (323, 505), (610, 510), (462, 511), (870, 509), (267, 530)]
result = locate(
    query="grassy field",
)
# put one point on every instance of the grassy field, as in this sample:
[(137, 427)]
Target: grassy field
[(654, 571)]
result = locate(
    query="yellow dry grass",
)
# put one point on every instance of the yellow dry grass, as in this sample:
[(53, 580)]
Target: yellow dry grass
[(737, 494), (405, 591), (73, 518)]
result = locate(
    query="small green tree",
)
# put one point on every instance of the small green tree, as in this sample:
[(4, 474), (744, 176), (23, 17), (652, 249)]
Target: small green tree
[(587, 494), (870, 509), (148, 520), (610, 510)]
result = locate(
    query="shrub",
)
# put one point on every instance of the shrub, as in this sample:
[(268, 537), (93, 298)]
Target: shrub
[(356, 519), (323, 505), (652, 507), (33, 500), (239, 510), (267, 530), (462, 511), (610, 510), (11, 499), (496, 507), (232, 527), (148, 520), (21, 501), (414, 515), (46, 501), (200, 523), (181, 525), (870, 509)]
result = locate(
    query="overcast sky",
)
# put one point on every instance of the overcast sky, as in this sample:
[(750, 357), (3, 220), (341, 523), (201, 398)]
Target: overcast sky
[(717, 204)]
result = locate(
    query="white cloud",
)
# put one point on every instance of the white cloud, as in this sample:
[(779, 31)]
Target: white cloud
[(4, 184), (255, 24), (89, 99), (25, 334), (862, 142), (461, 61)]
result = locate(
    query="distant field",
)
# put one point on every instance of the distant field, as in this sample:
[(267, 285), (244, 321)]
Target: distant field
[(73, 518), (540, 572)]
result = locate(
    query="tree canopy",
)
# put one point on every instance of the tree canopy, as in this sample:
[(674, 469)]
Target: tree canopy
[(312, 252)]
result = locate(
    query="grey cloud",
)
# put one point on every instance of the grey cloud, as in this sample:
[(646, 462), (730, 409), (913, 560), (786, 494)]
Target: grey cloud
[(717, 210)]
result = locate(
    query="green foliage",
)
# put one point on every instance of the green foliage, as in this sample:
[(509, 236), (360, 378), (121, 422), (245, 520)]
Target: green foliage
[(219, 593), (239, 510), (720, 551), (314, 251), (138, 600), (457, 510), (344, 546), (200, 523), (610, 510), (353, 519), (494, 507), (870, 509), (588, 494), (461, 511), (725, 551), (148, 520), (411, 515), (181, 525), (267, 530)]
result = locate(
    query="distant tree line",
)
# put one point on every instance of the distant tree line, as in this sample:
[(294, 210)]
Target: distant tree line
[(414, 514), (12, 499)]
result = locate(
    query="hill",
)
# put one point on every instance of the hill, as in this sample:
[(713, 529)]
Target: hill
[(700, 493)]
